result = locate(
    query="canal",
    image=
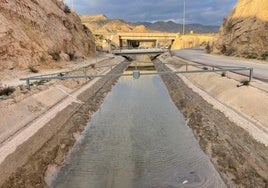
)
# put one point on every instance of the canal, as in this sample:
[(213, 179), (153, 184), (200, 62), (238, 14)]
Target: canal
[(137, 139)]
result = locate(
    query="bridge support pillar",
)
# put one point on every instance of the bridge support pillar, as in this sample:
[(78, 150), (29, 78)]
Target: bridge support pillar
[(120, 43)]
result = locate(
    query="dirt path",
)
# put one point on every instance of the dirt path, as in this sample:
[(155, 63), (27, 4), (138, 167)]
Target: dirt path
[(60, 135), (240, 159)]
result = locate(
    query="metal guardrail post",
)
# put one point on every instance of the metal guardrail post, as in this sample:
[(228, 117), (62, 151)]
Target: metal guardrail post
[(250, 74), (85, 73), (28, 83)]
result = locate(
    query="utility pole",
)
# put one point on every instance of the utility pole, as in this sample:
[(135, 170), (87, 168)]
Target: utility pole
[(183, 27)]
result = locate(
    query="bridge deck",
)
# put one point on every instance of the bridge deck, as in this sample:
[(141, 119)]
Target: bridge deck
[(139, 51)]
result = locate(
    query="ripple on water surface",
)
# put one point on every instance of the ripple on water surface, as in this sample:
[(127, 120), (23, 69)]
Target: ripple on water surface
[(138, 139)]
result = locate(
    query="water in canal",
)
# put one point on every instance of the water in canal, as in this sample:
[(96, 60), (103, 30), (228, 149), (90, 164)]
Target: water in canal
[(138, 139)]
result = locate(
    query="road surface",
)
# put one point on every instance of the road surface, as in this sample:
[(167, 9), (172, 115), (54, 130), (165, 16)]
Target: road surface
[(260, 69)]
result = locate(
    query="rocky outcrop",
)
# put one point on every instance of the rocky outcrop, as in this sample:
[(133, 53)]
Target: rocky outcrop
[(193, 41), (38, 32), (245, 31)]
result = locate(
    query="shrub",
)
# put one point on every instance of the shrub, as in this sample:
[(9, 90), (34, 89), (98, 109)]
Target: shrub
[(230, 51), (72, 56), (85, 29), (205, 68), (67, 10), (264, 56), (223, 74), (6, 91), (245, 82), (92, 66), (251, 56), (208, 48), (223, 49), (229, 26), (42, 59), (33, 69), (55, 55)]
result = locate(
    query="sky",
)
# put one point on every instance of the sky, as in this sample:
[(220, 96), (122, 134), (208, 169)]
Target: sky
[(207, 12)]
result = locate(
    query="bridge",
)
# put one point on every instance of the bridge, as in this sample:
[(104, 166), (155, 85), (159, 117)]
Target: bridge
[(152, 51), (154, 40), (135, 40)]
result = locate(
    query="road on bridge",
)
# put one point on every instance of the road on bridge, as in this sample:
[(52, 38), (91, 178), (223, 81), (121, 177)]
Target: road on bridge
[(260, 69), (139, 51)]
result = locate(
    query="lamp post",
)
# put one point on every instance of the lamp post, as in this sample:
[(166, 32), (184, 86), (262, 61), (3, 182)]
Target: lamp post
[(96, 57), (183, 27)]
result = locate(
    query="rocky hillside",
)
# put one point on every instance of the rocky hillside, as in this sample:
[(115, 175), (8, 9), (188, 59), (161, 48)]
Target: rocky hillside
[(38, 32), (245, 31), (101, 24)]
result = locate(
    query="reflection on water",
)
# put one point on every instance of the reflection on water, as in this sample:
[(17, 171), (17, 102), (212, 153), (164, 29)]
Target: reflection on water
[(138, 139)]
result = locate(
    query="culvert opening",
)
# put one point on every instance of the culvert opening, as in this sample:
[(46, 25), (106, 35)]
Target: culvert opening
[(141, 67)]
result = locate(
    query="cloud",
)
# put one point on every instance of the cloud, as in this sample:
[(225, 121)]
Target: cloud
[(209, 12)]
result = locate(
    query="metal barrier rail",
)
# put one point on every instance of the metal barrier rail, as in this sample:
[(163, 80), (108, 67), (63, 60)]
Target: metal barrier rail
[(217, 68), (136, 74), (66, 74)]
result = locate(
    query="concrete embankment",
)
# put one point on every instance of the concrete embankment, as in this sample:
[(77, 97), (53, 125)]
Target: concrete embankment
[(42, 145), (241, 160)]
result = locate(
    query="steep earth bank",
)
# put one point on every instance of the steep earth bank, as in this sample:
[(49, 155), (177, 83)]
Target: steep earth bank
[(245, 31), (37, 32), (240, 159)]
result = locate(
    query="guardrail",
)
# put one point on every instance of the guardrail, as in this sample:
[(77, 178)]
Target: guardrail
[(135, 73), (215, 68), (67, 74)]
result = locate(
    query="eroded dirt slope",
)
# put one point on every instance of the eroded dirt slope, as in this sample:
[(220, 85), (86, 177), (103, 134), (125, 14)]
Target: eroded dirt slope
[(37, 32), (245, 31)]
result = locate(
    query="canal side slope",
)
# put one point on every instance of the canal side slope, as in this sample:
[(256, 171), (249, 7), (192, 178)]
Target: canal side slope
[(43, 142), (229, 142)]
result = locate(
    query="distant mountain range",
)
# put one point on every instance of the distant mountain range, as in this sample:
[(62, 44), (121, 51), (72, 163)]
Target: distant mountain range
[(100, 23), (173, 27)]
